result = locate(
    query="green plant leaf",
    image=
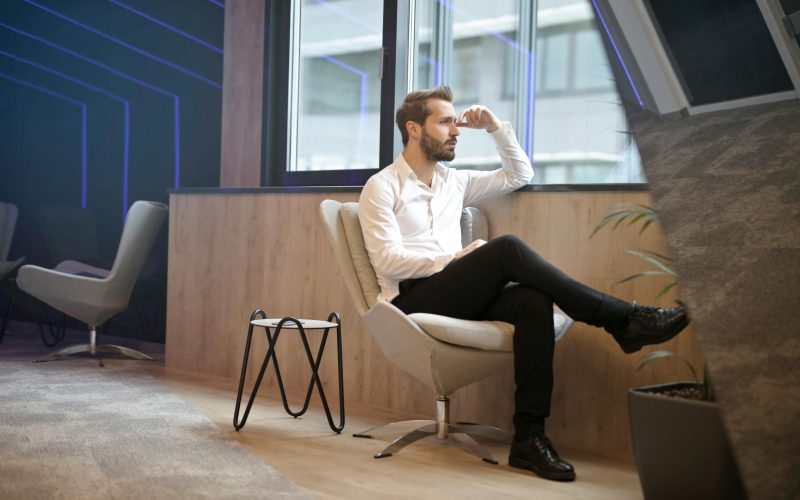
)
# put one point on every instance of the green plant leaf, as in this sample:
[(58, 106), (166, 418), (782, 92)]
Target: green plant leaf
[(661, 257), (619, 213), (656, 262), (656, 355), (647, 223), (641, 274), (666, 289)]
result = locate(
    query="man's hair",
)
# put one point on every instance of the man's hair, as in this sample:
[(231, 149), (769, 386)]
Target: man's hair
[(415, 107)]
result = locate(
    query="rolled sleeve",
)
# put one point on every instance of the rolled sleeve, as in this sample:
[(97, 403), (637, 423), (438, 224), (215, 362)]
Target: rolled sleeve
[(515, 172)]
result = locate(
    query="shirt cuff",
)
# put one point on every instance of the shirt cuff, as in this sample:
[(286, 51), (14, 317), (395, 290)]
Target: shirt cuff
[(441, 261), (504, 135)]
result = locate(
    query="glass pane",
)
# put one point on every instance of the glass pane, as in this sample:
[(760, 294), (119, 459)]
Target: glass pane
[(339, 86), (722, 50), (555, 56), (580, 129), (470, 45), (591, 65)]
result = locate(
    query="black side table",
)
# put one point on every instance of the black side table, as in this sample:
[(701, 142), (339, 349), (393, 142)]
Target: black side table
[(301, 325)]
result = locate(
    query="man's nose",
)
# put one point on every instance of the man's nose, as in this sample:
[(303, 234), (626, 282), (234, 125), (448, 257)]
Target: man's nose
[(454, 130)]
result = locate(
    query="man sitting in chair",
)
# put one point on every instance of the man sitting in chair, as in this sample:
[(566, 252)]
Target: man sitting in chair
[(410, 215)]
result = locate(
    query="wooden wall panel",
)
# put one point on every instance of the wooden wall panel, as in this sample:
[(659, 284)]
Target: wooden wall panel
[(231, 254), (242, 89)]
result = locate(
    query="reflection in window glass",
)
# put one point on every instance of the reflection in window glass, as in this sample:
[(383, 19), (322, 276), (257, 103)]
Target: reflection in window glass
[(591, 65), (580, 128), (470, 45), (337, 96), (554, 53)]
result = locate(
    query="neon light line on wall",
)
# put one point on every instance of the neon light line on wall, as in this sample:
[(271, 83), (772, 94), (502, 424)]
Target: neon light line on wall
[(126, 109), (154, 88), (167, 26), (76, 102), (127, 45), (619, 56)]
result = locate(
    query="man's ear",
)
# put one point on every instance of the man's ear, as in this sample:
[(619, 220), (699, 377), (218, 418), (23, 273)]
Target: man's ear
[(414, 129)]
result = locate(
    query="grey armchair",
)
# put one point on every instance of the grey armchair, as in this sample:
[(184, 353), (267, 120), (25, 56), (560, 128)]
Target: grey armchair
[(443, 353), (94, 300), (8, 221)]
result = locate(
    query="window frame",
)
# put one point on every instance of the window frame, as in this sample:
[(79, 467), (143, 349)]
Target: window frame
[(398, 57), (279, 122)]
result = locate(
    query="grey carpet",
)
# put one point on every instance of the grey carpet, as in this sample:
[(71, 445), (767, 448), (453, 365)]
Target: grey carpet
[(73, 430)]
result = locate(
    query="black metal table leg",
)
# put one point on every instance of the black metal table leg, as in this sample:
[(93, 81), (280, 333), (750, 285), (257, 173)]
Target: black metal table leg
[(237, 424), (314, 364)]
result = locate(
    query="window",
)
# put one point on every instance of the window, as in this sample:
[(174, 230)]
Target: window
[(335, 53), (580, 128), (539, 64)]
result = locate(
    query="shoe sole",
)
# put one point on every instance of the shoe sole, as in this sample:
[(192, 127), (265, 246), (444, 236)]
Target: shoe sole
[(637, 346), (554, 476)]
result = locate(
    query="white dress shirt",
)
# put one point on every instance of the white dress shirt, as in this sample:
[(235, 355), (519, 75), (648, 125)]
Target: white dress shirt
[(412, 230)]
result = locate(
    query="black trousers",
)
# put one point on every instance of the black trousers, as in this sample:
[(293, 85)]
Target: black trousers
[(505, 280)]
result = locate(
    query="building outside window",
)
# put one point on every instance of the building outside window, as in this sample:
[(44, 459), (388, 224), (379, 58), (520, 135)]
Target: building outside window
[(551, 80)]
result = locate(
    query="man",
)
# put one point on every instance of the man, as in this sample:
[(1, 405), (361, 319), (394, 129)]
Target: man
[(410, 215)]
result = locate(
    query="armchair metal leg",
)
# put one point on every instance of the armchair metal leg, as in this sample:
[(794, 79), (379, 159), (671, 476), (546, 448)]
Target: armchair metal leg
[(486, 431), (406, 439), (468, 443), (460, 433), (95, 349), (380, 429)]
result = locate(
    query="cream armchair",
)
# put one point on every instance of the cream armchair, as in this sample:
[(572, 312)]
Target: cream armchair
[(94, 300), (443, 353)]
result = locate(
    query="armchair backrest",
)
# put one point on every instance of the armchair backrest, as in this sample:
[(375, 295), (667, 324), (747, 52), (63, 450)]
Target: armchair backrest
[(344, 230), (141, 227), (8, 220)]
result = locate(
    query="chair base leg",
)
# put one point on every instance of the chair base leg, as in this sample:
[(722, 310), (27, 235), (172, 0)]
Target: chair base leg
[(460, 434), (99, 348), (95, 349)]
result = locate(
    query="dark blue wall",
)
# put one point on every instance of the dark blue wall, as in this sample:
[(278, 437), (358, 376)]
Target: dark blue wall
[(61, 60)]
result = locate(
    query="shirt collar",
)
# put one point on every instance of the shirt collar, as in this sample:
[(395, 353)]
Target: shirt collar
[(403, 169), (405, 172)]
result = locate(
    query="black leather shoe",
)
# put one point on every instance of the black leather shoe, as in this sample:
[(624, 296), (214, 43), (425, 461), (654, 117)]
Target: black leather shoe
[(538, 456), (650, 325)]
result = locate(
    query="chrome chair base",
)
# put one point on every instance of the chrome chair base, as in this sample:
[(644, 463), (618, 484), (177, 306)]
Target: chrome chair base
[(460, 433), (95, 349)]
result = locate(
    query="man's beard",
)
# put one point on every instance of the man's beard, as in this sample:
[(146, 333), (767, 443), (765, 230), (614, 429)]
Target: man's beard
[(436, 151)]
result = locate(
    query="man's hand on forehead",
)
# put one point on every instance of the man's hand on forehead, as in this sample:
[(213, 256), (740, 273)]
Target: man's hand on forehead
[(480, 117)]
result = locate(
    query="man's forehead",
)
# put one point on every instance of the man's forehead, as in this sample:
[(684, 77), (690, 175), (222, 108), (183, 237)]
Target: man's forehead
[(440, 108)]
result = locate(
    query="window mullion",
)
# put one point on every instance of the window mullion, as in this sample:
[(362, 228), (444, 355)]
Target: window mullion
[(405, 55), (443, 43), (294, 85), (525, 73)]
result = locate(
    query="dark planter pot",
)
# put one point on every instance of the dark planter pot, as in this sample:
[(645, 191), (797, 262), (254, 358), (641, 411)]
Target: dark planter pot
[(682, 451)]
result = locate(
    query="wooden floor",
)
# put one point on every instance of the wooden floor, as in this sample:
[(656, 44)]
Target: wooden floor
[(327, 465)]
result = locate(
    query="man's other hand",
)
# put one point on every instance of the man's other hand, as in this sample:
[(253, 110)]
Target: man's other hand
[(477, 116), (469, 248)]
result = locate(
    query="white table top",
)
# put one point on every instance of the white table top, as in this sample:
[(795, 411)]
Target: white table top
[(308, 324)]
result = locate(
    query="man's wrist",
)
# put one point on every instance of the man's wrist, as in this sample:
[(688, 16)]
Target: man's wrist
[(494, 126)]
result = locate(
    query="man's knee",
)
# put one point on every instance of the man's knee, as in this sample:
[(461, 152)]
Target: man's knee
[(507, 245), (529, 302)]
